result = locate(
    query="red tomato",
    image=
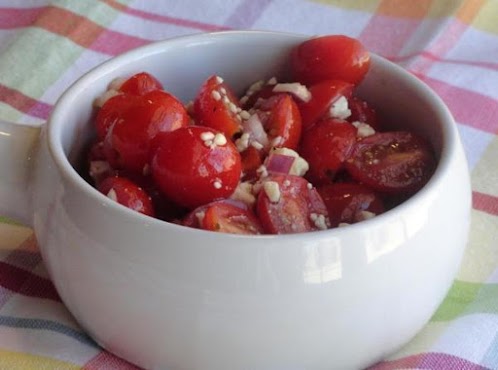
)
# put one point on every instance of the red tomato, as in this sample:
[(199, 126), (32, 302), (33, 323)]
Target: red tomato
[(332, 57), (216, 106), (362, 112), (346, 201), (140, 84), (283, 120), (326, 146), (128, 143), (298, 209), (264, 93), (226, 217), (393, 162), (191, 169), (251, 161), (323, 94), (111, 112), (128, 194)]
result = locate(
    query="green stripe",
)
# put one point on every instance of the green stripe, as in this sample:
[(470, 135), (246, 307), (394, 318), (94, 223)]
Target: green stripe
[(467, 298), (6, 220)]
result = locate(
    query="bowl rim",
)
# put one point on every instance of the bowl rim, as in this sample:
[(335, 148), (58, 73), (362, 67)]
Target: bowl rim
[(68, 172)]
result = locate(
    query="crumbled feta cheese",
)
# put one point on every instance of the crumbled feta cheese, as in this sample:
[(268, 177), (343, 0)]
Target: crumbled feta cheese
[(258, 85), (219, 80), (217, 184), (200, 216), (207, 135), (112, 195), (277, 141), (309, 185), (272, 191), (100, 101), (319, 221), (342, 224), (262, 171), (117, 83), (98, 168), (339, 108), (257, 145), (365, 215), (244, 193), (244, 99), (219, 139), (216, 95), (242, 143), (272, 81), (232, 107), (244, 114), (299, 166), (295, 88), (364, 129), (223, 90), (287, 183)]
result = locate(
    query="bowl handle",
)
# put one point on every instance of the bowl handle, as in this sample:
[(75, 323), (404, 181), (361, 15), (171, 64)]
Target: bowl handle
[(18, 144)]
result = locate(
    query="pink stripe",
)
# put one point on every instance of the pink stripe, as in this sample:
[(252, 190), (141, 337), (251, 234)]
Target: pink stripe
[(114, 43), (429, 361), (435, 58), (106, 360), (485, 203), (441, 45), (468, 107), (15, 18), (170, 20), (247, 13), (387, 35)]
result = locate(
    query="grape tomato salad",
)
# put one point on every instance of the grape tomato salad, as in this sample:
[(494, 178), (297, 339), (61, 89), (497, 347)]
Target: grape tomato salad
[(290, 156)]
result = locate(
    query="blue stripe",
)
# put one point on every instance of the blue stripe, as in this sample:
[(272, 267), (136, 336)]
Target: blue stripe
[(39, 324)]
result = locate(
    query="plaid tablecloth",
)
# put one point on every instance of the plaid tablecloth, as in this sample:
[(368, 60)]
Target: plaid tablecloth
[(451, 45)]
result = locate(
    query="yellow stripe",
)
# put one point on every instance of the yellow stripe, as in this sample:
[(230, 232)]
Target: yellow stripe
[(25, 361), (404, 9), (366, 5), (486, 17)]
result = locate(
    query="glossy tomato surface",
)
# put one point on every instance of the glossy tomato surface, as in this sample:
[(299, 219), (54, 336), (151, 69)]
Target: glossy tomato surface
[(330, 57), (393, 162), (140, 84), (216, 106), (346, 201), (226, 217), (191, 169), (128, 194), (326, 146), (299, 207)]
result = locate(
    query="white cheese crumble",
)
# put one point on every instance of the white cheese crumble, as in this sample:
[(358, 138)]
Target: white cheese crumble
[(342, 224), (98, 168), (244, 114), (319, 221), (364, 129), (262, 171), (219, 80), (217, 184), (244, 193), (272, 191), (117, 83), (295, 88), (200, 216), (216, 95), (101, 100), (257, 145), (277, 141), (339, 108), (299, 166), (112, 195), (309, 185), (365, 215), (219, 139), (242, 143), (272, 81)]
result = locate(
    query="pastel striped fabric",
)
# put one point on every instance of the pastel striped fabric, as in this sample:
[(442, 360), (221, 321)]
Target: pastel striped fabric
[(451, 45)]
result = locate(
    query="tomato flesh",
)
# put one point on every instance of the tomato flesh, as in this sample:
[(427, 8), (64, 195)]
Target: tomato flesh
[(295, 209), (216, 106), (128, 194), (323, 95), (346, 201), (392, 162), (192, 173), (229, 218), (330, 57), (326, 146)]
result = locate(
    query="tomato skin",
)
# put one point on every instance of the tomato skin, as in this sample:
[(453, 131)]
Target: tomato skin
[(111, 112), (140, 84), (345, 201), (189, 172), (323, 94), (326, 146), (283, 121), (292, 213), (127, 193), (330, 57), (226, 217), (251, 161), (362, 112), (264, 93), (128, 143), (392, 162), (216, 113)]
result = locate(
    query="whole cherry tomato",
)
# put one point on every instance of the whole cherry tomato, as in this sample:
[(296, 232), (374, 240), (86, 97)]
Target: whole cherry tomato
[(332, 57), (140, 84), (346, 202), (128, 194), (195, 165), (128, 142), (323, 95), (326, 146), (216, 106), (287, 204), (392, 162)]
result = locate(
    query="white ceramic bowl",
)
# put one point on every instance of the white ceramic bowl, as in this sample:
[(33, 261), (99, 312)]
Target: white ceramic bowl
[(167, 297)]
